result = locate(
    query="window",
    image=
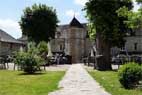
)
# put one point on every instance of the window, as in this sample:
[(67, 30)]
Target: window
[(135, 46), (61, 47), (11, 46)]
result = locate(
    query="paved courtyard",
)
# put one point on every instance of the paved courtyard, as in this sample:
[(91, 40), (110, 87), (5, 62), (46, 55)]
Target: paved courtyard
[(78, 82)]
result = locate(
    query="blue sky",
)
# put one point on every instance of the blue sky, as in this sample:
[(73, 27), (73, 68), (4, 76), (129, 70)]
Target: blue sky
[(11, 11)]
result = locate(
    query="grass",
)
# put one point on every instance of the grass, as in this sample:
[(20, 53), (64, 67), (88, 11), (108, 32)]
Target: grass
[(109, 80), (16, 83)]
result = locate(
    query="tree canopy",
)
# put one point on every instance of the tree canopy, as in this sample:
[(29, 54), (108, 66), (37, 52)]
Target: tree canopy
[(134, 20), (39, 23)]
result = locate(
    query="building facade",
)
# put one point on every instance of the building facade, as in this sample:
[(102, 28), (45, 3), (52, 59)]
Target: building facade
[(72, 39), (8, 44), (134, 42)]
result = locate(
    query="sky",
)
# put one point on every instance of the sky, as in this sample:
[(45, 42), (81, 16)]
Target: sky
[(11, 11)]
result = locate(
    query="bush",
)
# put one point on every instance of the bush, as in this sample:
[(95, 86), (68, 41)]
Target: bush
[(29, 61), (130, 75)]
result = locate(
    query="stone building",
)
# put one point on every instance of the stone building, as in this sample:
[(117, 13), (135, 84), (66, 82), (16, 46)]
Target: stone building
[(72, 39), (8, 44), (134, 42)]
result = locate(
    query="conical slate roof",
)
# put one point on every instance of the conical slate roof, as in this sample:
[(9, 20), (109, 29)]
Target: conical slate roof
[(75, 23)]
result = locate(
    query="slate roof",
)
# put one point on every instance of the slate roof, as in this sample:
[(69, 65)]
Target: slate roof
[(62, 27), (4, 37), (75, 23), (66, 26)]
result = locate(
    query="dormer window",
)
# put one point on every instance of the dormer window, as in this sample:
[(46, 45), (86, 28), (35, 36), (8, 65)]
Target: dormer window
[(58, 34)]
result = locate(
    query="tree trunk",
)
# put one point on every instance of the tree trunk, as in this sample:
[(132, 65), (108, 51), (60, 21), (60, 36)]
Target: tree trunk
[(102, 54)]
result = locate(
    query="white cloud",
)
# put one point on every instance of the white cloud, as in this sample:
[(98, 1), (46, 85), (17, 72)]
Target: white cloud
[(11, 27), (72, 13), (80, 2)]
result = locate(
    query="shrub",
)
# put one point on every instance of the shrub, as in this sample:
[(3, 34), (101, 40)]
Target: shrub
[(130, 75), (28, 62)]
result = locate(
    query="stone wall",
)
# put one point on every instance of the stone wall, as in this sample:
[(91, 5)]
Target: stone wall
[(9, 48), (134, 43), (58, 45), (76, 43), (73, 41)]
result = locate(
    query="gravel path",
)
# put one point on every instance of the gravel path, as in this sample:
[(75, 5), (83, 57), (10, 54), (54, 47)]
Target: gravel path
[(78, 82)]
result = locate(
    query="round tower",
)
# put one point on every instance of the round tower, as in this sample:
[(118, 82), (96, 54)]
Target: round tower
[(76, 40)]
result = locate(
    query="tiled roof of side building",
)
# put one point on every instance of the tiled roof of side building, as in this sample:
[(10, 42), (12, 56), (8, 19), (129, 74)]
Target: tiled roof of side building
[(4, 37), (61, 28), (67, 26)]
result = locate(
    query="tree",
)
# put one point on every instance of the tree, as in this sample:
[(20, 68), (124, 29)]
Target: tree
[(39, 23), (109, 27), (134, 20), (43, 49)]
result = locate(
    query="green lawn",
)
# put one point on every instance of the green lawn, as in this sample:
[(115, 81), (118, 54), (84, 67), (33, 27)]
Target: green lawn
[(109, 81), (16, 83)]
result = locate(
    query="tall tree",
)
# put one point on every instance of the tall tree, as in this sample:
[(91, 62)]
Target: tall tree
[(109, 27), (39, 23)]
